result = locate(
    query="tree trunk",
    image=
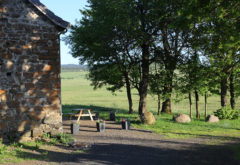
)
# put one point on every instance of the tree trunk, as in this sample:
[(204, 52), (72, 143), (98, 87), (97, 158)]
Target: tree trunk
[(170, 62), (166, 105), (197, 105), (224, 88), (205, 107), (232, 91), (190, 103), (159, 104), (129, 94), (144, 80)]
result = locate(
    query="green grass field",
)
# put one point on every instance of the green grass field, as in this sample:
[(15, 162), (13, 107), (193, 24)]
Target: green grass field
[(77, 91)]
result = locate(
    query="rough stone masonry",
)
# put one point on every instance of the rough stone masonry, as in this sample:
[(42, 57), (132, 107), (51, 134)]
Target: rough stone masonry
[(30, 88)]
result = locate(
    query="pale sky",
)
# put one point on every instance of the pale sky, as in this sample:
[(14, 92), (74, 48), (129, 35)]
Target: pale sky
[(69, 11)]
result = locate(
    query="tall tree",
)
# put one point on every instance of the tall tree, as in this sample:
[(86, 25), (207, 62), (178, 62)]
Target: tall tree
[(173, 39), (220, 30), (120, 32)]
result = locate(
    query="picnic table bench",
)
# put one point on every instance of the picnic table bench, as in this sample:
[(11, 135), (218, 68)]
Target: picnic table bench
[(80, 113)]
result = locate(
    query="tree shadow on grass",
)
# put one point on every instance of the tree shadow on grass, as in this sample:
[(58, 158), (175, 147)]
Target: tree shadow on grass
[(103, 111), (67, 108), (210, 137)]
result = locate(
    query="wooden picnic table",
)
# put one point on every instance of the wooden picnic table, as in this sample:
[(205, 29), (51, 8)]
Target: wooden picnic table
[(81, 112)]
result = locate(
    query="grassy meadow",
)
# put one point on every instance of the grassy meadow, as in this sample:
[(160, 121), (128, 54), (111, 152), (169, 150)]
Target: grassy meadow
[(77, 92)]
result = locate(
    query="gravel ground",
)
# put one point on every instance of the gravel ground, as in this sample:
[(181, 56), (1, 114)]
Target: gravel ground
[(137, 147)]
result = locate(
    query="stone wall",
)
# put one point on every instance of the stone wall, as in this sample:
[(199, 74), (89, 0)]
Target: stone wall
[(29, 72)]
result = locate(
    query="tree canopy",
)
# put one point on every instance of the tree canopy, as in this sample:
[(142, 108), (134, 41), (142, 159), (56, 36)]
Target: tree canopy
[(122, 41)]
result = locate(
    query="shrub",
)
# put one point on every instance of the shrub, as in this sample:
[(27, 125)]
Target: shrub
[(64, 138), (227, 113)]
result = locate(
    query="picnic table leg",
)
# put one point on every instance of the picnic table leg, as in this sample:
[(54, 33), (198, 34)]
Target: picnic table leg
[(70, 116), (79, 116), (89, 112)]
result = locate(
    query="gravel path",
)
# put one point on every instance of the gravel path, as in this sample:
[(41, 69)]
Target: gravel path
[(137, 147)]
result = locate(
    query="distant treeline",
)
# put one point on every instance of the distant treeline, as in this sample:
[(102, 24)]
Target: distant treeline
[(73, 68)]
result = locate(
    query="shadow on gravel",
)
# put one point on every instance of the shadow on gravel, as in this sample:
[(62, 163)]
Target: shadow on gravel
[(120, 154), (67, 125)]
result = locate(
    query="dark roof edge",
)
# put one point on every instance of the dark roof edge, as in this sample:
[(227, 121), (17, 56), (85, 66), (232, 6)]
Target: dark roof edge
[(51, 16)]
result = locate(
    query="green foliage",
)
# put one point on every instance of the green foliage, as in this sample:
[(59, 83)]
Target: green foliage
[(106, 75), (3, 149), (46, 136), (157, 79), (227, 113), (130, 34), (10, 153), (63, 138)]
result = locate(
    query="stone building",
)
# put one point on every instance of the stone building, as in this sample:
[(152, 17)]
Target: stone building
[(30, 86)]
